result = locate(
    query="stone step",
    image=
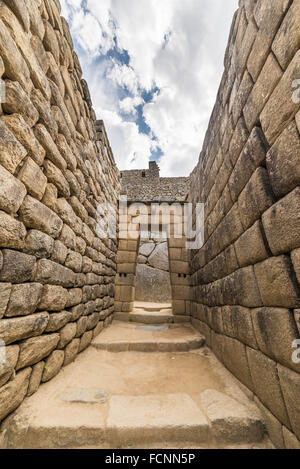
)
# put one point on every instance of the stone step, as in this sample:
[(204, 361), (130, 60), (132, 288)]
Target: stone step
[(124, 337), (135, 400), (155, 317), (138, 420), (152, 307)]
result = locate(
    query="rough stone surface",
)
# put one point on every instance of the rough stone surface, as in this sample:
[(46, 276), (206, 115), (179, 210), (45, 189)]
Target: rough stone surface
[(53, 298), (230, 420), (7, 366), (56, 167), (35, 349), (12, 330), (13, 393), (12, 192), (290, 384), (24, 299), (154, 284), (53, 365), (17, 267)]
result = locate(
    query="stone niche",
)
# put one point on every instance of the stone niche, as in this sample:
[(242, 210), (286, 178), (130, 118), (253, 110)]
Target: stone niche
[(152, 275)]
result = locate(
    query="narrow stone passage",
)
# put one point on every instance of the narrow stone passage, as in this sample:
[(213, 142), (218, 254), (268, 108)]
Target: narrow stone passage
[(140, 386)]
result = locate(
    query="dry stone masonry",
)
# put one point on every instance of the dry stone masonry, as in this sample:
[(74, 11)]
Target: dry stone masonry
[(153, 273), (246, 293), (56, 166), (60, 283), (146, 185)]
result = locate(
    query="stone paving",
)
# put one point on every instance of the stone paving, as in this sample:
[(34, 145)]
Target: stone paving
[(139, 399)]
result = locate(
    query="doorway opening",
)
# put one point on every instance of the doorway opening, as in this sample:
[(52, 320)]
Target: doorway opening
[(153, 283)]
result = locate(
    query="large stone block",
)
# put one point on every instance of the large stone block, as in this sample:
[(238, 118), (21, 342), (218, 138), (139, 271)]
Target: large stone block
[(53, 274), (68, 237), (238, 141), (17, 124), (74, 261), (295, 255), (290, 440), (124, 293), (12, 153), (235, 359), (242, 53), (12, 192), (33, 178), (53, 298), (126, 257), (43, 107), (8, 365), (275, 331), (71, 351), (266, 384), (287, 40), (58, 320), (282, 224), (290, 385), (12, 232), (56, 177), (262, 90), (17, 101), (39, 244), (21, 11), (242, 289), (22, 41), (152, 285), (5, 289), (14, 392), (17, 267), (59, 253), (87, 337), (250, 247), (252, 156), (273, 426), (53, 365), (38, 216), (48, 144), (276, 282), (68, 215), (24, 299), (237, 323), (274, 122), (15, 65), (67, 334), (256, 198), (35, 378), (283, 161), (15, 329), (74, 297), (268, 16), (92, 321), (81, 326), (35, 349), (159, 258)]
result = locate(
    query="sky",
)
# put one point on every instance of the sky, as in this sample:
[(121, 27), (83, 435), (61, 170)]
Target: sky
[(153, 68)]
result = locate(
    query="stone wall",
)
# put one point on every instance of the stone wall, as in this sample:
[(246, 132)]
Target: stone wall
[(153, 272), (246, 293), (128, 251), (146, 185), (56, 166)]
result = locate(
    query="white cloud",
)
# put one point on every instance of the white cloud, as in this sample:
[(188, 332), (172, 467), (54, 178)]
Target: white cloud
[(128, 105), (132, 149), (174, 45), (124, 76)]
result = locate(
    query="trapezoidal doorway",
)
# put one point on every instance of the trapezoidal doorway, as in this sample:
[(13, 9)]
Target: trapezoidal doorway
[(153, 283)]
